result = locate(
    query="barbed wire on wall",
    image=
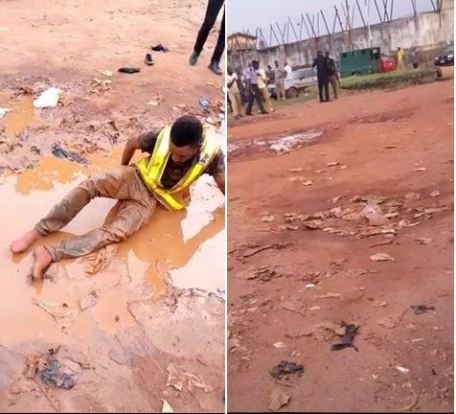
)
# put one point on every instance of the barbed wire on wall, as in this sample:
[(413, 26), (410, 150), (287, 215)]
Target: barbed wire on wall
[(316, 25)]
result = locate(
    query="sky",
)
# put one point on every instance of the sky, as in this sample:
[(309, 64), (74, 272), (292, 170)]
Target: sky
[(245, 15)]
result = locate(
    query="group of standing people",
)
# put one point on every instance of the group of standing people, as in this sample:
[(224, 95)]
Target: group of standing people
[(327, 73), (255, 83)]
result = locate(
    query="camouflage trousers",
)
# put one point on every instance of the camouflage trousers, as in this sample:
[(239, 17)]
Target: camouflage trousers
[(135, 207)]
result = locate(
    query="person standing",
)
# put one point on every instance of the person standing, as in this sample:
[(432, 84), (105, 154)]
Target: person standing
[(212, 11), (287, 68), (270, 74), (333, 75), (263, 85), (253, 91), (322, 76), (279, 77), (234, 93), (400, 54)]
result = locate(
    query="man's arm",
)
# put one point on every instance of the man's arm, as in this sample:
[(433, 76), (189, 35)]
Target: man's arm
[(220, 181), (130, 148), (144, 142)]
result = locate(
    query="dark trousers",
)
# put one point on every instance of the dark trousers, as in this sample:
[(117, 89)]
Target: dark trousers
[(323, 84), (254, 95), (212, 11)]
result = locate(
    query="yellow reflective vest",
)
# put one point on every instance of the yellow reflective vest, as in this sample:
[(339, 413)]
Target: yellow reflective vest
[(151, 169)]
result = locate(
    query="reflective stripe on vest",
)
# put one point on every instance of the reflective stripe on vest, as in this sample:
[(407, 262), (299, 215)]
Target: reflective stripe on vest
[(151, 169)]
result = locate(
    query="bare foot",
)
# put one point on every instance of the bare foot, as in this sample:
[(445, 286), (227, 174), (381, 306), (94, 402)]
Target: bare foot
[(22, 244), (42, 260)]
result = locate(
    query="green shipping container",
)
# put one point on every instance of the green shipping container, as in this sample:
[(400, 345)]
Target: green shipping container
[(360, 62)]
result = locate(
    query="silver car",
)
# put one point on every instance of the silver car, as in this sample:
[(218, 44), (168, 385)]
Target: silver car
[(296, 82)]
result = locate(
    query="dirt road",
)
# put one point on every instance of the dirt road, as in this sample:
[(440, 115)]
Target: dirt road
[(142, 322), (303, 255)]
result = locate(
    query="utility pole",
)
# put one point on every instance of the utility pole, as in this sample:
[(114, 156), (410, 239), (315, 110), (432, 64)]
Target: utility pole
[(369, 33)]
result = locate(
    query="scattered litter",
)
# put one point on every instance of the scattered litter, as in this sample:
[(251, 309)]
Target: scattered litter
[(279, 398), (373, 213), (59, 152), (343, 167), (286, 144), (204, 104), (347, 340), (424, 240), (166, 408), (382, 257), (129, 70), (286, 368), (267, 219), (148, 59), (159, 48), (48, 99), (53, 376), (420, 309), (279, 345), (415, 340), (3, 112), (299, 169), (178, 378), (314, 308), (307, 183), (153, 103), (329, 296), (402, 369), (435, 193), (332, 164), (336, 199), (254, 250), (374, 199), (310, 286), (89, 301), (421, 169)]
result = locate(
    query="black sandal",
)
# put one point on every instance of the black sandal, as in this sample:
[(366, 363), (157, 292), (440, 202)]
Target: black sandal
[(148, 59)]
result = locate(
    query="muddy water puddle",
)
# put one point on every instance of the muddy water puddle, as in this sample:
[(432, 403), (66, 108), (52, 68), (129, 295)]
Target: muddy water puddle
[(276, 145), (185, 249), (20, 114)]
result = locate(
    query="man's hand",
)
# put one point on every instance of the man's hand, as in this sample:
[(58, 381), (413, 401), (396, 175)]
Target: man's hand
[(130, 147)]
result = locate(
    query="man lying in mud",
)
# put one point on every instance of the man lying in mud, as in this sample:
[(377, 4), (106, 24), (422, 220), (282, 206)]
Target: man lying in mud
[(179, 155)]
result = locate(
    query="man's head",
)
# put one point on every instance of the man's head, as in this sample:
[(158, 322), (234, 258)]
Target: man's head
[(255, 64), (186, 138), (398, 48), (269, 67), (229, 69), (327, 54), (319, 53), (276, 63)]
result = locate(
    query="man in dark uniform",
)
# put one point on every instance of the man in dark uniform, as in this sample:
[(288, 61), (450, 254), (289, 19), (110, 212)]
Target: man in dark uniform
[(322, 74)]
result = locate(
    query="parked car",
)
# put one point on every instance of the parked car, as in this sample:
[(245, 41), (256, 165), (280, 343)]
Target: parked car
[(365, 61), (446, 58), (296, 82)]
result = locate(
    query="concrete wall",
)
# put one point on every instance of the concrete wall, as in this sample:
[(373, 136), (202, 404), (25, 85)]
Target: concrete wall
[(429, 32)]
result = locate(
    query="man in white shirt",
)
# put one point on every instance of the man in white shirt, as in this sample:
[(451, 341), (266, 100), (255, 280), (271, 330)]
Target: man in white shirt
[(262, 81), (279, 78), (287, 69), (234, 93)]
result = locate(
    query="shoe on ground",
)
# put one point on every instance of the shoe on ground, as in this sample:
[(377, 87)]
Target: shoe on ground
[(214, 67), (193, 58)]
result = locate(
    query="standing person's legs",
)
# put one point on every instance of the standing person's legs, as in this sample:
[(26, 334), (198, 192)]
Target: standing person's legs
[(259, 99), (326, 88), (238, 99), (267, 100), (220, 47), (333, 81), (281, 90), (234, 104), (320, 88), (251, 97), (212, 10)]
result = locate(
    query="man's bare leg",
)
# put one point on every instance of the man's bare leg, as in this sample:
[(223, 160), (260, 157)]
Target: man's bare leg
[(22, 244), (42, 261)]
